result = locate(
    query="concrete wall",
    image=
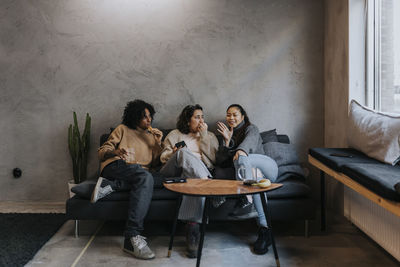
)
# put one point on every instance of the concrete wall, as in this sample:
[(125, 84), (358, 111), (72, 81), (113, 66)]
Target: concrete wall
[(94, 56)]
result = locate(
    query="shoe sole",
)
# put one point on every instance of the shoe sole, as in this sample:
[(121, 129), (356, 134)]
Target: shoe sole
[(96, 190), (130, 252), (261, 252)]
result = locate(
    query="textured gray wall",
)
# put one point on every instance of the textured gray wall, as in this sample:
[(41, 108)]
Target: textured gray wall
[(94, 56)]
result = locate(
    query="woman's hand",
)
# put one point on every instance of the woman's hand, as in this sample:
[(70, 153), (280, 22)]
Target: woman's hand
[(203, 127), (239, 153), (122, 153), (157, 135), (225, 132)]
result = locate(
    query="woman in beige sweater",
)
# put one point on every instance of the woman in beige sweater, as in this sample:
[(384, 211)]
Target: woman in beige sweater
[(194, 158)]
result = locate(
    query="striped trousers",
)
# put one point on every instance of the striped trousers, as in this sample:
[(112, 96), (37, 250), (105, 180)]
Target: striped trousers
[(186, 165)]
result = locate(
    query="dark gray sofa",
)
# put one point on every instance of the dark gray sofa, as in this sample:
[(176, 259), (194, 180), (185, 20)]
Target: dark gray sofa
[(290, 202)]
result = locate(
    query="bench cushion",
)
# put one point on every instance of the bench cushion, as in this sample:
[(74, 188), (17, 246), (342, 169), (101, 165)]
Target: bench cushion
[(380, 178), (336, 163)]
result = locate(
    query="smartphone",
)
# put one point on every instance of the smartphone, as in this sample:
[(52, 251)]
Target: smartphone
[(180, 144), (341, 155), (174, 180)]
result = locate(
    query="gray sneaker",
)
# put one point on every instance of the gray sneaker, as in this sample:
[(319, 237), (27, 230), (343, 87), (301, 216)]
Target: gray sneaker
[(243, 210), (218, 201), (102, 189), (137, 246)]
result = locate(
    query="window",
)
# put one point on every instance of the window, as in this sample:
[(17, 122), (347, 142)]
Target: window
[(383, 55)]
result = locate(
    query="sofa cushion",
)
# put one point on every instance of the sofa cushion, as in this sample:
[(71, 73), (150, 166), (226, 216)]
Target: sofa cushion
[(292, 188), (85, 189), (269, 136), (286, 158), (283, 154), (377, 177), (283, 138), (324, 155), (374, 133)]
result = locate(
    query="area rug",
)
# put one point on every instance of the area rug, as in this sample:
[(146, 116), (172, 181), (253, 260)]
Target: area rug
[(23, 234)]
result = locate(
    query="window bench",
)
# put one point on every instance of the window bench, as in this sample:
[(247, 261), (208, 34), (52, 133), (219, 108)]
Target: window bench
[(372, 179)]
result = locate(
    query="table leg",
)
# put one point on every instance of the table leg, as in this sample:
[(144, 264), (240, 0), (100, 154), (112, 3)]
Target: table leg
[(268, 216), (202, 231), (171, 241), (323, 215)]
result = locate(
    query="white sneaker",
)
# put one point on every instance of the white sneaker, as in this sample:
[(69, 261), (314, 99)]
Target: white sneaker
[(137, 246), (102, 189)]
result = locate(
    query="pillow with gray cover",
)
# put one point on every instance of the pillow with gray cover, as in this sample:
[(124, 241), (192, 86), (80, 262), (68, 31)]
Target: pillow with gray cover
[(84, 189), (269, 136), (285, 156)]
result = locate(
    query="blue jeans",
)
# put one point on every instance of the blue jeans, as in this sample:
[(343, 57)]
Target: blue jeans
[(268, 168)]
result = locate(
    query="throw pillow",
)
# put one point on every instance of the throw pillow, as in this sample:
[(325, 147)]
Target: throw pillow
[(84, 189), (376, 134), (283, 154), (286, 158), (269, 136)]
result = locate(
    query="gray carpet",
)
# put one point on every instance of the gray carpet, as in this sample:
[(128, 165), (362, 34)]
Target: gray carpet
[(23, 234)]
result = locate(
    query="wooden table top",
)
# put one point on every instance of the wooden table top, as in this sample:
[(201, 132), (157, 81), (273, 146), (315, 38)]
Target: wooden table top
[(215, 187)]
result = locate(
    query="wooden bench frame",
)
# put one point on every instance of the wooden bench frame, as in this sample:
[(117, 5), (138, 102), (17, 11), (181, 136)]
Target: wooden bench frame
[(391, 206)]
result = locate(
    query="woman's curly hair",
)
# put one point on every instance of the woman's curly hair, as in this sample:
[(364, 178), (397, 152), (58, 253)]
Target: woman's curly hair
[(185, 116), (135, 111)]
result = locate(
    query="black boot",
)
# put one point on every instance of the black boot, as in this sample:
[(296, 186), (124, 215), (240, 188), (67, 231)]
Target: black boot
[(263, 241), (192, 239)]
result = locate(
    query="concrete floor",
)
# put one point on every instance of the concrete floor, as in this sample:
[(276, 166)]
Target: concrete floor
[(226, 244)]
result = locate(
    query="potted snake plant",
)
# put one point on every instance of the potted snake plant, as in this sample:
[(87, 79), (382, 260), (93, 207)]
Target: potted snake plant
[(79, 150)]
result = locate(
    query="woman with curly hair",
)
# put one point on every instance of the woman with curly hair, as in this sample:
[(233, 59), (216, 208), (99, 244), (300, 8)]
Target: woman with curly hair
[(189, 151), (125, 158), (242, 149)]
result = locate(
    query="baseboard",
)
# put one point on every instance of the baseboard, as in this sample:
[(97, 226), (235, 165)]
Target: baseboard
[(31, 207)]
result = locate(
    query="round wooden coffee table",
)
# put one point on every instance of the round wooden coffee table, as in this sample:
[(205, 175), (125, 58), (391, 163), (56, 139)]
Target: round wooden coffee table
[(211, 188)]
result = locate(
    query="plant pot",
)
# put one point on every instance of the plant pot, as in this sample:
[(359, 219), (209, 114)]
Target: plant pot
[(71, 183)]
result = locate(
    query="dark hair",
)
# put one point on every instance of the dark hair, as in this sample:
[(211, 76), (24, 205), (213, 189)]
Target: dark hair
[(135, 111), (185, 116), (239, 134)]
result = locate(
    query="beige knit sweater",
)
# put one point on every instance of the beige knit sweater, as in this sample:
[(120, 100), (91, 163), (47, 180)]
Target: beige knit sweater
[(208, 147), (146, 147)]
